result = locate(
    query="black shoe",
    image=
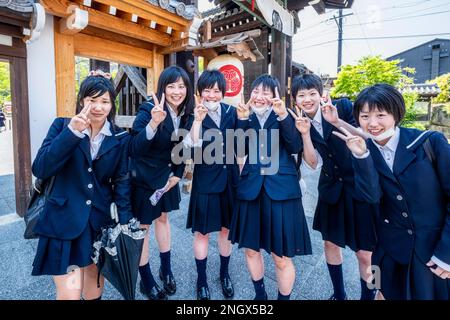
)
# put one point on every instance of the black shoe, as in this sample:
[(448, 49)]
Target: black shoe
[(203, 293), (265, 297), (169, 283), (333, 297), (227, 287), (155, 293)]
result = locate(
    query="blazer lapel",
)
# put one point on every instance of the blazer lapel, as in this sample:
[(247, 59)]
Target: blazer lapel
[(225, 116), (209, 123), (379, 161), (86, 148), (270, 120), (108, 143), (316, 137), (327, 129), (168, 123), (254, 122), (403, 155)]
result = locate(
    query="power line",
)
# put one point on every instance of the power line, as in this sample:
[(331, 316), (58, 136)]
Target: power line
[(364, 32), (376, 38)]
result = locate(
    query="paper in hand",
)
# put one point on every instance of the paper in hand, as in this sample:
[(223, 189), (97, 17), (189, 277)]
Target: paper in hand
[(157, 195)]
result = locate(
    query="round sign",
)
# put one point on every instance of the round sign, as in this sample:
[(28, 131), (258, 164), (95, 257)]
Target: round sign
[(233, 78)]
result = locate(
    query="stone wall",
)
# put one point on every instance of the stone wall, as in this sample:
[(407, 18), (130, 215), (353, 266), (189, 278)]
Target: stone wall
[(440, 120)]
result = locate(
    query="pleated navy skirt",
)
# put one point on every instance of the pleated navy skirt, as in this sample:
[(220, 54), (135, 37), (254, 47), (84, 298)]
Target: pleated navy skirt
[(347, 223), (278, 227), (210, 212), (59, 257), (143, 209), (413, 281)]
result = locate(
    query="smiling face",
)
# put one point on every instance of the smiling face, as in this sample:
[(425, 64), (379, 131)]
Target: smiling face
[(309, 101), (175, 93), (376, 122), (261, 96), (100, 107), (213, 94)]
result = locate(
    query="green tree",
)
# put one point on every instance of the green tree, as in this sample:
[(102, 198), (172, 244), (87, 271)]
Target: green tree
[(5, 88), (443, 82), (369, 71)]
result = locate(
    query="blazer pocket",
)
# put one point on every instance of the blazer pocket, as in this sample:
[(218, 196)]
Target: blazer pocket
[(60, 201)]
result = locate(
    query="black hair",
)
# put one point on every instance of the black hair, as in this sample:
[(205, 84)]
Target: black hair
[(209, 78), (268, 82), (96, 86), (383, 97), (306, 82), (173, 74)]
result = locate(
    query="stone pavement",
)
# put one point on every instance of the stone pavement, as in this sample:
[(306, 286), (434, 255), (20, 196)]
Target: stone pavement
[(312, 281)]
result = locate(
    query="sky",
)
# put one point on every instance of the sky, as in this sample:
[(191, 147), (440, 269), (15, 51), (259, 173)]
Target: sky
[(315, 44)]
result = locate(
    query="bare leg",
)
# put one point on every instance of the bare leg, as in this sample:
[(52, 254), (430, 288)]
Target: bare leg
[(162, 232), (285, 272), (90, 289), (69, 286)]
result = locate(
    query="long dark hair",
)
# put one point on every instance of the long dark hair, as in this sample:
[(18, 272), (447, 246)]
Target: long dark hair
[(170, 75), (96, 86)]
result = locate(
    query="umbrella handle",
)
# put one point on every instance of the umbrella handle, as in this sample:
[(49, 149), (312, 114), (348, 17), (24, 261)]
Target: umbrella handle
[(113, 212)]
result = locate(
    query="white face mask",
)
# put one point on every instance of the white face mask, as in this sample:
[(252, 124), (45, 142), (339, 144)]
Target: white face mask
[(383, 136), (260, 110), (211, 105)]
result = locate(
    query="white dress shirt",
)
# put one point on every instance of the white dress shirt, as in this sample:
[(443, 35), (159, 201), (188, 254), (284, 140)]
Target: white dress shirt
[(263, 117), (317, 122), (215, 115), (98, 139)]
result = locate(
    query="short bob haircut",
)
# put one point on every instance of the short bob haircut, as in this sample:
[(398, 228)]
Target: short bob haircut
[(209, 78), (383, 97), (306, 82), (173, 74), (94, 87), (268, 82)]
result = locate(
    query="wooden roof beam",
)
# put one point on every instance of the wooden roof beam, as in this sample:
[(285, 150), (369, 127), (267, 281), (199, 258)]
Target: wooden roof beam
[(105, 21)]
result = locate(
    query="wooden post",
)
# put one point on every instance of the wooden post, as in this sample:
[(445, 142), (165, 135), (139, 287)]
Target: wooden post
[(154, 72), (65, 73), (99, 65), (278, 59), (21, 131)]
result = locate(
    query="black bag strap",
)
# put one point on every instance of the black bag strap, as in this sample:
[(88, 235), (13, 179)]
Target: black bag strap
[(429, 151)]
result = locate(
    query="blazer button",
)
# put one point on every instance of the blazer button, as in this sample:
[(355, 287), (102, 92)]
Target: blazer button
[(335, 167), (262, 145), (225, 167), (410, 232), (404, 214), (169, 164), (262, 157), (222, 144), (330, 155), (88, 202), (340, 179), (89, 169), (262, 171), (399, 198), (90, 185)]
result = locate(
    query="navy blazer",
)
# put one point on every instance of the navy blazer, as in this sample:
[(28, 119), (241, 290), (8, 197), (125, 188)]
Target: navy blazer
[(414, 199), (284, 184), (337, 169), (213, 178), (151, 160), (84, 188)]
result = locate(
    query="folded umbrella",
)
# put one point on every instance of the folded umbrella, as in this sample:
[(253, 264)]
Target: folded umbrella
[(117, 253)]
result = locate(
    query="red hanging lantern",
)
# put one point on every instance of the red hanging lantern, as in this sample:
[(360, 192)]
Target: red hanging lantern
[(253, 5)]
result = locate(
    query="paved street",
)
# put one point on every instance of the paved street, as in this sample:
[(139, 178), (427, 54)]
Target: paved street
[(16, 255)]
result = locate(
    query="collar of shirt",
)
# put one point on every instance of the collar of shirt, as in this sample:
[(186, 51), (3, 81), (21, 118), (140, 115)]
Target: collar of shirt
[(263, 118), (105, 131), (173, 114), (216, 113), (318, 117), (392, 144)]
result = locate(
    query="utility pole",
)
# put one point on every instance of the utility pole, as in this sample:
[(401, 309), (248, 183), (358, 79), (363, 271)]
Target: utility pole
[(339, 22)]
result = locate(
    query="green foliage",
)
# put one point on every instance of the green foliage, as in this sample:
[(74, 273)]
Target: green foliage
[(443, 82), (5, 88), (409, 120), (369, 71)]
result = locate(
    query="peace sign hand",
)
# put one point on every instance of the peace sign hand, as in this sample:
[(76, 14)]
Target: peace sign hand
[(243, 109), (356, 144), (278, 105), (157, 112), (81, 121), (302, 123), (200, 111), (329, 111)]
